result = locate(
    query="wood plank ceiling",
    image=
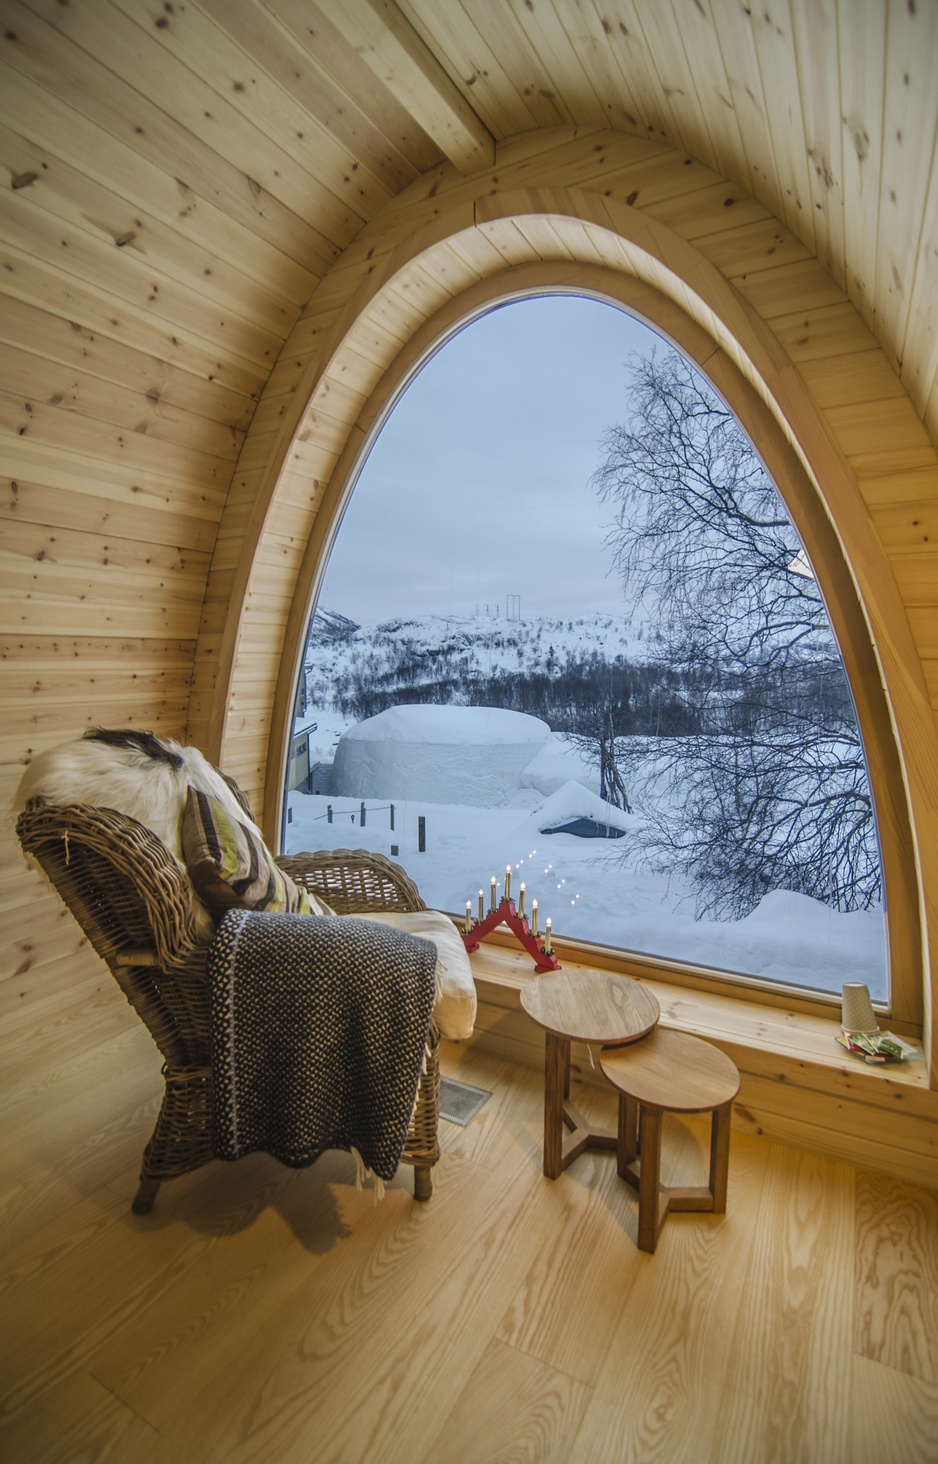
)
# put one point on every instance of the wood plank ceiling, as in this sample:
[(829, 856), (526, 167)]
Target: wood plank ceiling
[(230, 149)]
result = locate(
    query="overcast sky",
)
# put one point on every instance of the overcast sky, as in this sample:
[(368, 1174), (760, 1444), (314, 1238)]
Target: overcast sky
[(478, 485)]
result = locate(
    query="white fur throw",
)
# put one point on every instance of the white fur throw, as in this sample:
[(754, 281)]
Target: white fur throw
[(130, 781)]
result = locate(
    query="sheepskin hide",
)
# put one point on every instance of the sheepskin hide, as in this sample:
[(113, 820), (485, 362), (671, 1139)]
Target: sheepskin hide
[(130, 779)]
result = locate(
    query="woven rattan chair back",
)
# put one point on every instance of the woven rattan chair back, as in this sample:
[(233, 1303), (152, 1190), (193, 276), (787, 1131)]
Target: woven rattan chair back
[(131, 899), (353, 879)]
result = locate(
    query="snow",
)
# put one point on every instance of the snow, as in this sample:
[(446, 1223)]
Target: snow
[(459, 727), (575, 801), (443, 754), (481, 645), (557, 763), (593, 890)]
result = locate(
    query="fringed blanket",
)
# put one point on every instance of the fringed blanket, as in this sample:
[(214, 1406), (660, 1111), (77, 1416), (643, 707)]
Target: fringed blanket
[(319, 1028)]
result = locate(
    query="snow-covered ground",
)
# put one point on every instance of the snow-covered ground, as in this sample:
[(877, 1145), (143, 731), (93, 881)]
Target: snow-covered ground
[(593, 889)]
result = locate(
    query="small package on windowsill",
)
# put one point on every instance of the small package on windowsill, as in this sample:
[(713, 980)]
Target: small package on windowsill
[(877, 1047)]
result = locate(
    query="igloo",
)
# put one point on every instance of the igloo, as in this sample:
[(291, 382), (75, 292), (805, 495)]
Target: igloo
[(471, 755)]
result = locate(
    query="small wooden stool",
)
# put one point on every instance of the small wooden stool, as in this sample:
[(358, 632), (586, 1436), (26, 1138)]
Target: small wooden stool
[(590, 1006), (675, 1073)]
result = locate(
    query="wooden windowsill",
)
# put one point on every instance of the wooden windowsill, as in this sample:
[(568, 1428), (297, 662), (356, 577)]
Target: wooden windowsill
[(798, 1040)]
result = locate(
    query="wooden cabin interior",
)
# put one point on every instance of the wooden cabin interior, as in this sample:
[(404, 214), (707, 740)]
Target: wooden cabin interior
[(230, 229)]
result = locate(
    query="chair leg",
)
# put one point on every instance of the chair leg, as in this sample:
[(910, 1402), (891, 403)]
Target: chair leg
[(423, 1182), (146, 1194)]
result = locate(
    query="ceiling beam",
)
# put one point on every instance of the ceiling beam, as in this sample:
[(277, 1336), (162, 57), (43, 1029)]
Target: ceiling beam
[(389, 45)]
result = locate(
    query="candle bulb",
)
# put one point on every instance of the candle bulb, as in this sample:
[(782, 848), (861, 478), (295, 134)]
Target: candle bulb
[(547, 945), (493, 892), (534, 917), (507, 881), (521, 900), (481, 907), (468, 925)]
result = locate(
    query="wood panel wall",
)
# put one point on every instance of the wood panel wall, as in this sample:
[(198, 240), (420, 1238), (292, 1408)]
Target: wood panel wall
[(176, 180)]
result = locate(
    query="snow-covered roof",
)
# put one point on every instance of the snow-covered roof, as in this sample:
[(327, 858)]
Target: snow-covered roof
[(462, 726), (574, 801)]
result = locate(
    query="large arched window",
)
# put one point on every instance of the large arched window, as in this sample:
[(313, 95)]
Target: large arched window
[(569, 629)]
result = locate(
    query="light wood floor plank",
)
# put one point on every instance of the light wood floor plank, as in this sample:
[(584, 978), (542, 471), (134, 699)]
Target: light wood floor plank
[(659, 1393), (512, 1409), (269, 1224), (894, 1417), (571, 1298), (261, 1313), (897, 1276), (789, 1382), (51, 1099), (80, 1423), (506, 1133), (36, 1182), (76, 1305), (327, 1373)]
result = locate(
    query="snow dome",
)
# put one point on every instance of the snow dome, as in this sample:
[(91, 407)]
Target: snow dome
[(473, 755)]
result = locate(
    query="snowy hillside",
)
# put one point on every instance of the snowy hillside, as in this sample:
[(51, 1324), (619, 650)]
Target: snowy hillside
[(488, 642), (446, 655)]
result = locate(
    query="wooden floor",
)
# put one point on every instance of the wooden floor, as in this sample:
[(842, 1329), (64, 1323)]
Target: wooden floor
[(263, 1314)]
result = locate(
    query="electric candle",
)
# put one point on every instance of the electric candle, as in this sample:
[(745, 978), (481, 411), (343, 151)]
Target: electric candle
[(481, 907), (507, 881), (547, 945), (534, 917), (493, 892), (521, 900), (468, 925)]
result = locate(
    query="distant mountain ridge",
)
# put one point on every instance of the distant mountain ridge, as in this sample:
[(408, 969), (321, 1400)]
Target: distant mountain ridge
[(441, 649), (568, 671)]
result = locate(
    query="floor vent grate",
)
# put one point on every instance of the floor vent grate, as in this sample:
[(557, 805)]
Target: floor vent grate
[(459, 1101)]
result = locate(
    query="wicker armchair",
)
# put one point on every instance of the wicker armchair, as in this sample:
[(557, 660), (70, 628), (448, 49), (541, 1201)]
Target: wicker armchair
[(131, 900)]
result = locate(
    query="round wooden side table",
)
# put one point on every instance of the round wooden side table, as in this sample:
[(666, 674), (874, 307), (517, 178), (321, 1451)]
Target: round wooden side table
[(589, 1006), (670, 1072)]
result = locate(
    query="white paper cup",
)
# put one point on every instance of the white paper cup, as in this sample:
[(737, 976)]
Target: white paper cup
[(856, 1013)]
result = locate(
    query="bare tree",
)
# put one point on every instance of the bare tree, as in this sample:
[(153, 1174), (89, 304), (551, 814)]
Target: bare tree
[(599, 726), (772, 792)]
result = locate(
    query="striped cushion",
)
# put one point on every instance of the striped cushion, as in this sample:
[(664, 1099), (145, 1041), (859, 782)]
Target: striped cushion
[(230, 865)]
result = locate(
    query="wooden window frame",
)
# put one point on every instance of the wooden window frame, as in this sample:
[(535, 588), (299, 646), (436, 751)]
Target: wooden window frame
[(778, 450)]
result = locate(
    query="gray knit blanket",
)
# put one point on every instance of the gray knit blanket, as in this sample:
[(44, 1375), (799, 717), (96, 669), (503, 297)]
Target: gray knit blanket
[(319, 1027)]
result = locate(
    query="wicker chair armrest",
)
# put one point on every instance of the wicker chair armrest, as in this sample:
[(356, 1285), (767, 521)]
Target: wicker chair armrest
[(351, 880), (136, 958)]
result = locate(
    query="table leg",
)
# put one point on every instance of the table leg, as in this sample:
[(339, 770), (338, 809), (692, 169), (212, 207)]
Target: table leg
[(556, 1070), (649, 1184), (627, 1137), (720, 1155)]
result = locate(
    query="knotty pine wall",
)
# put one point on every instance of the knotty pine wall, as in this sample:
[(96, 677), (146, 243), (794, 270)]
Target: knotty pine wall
[(166, 464)]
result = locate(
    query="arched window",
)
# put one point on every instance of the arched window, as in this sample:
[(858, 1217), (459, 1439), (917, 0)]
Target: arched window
[(568, 628)]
